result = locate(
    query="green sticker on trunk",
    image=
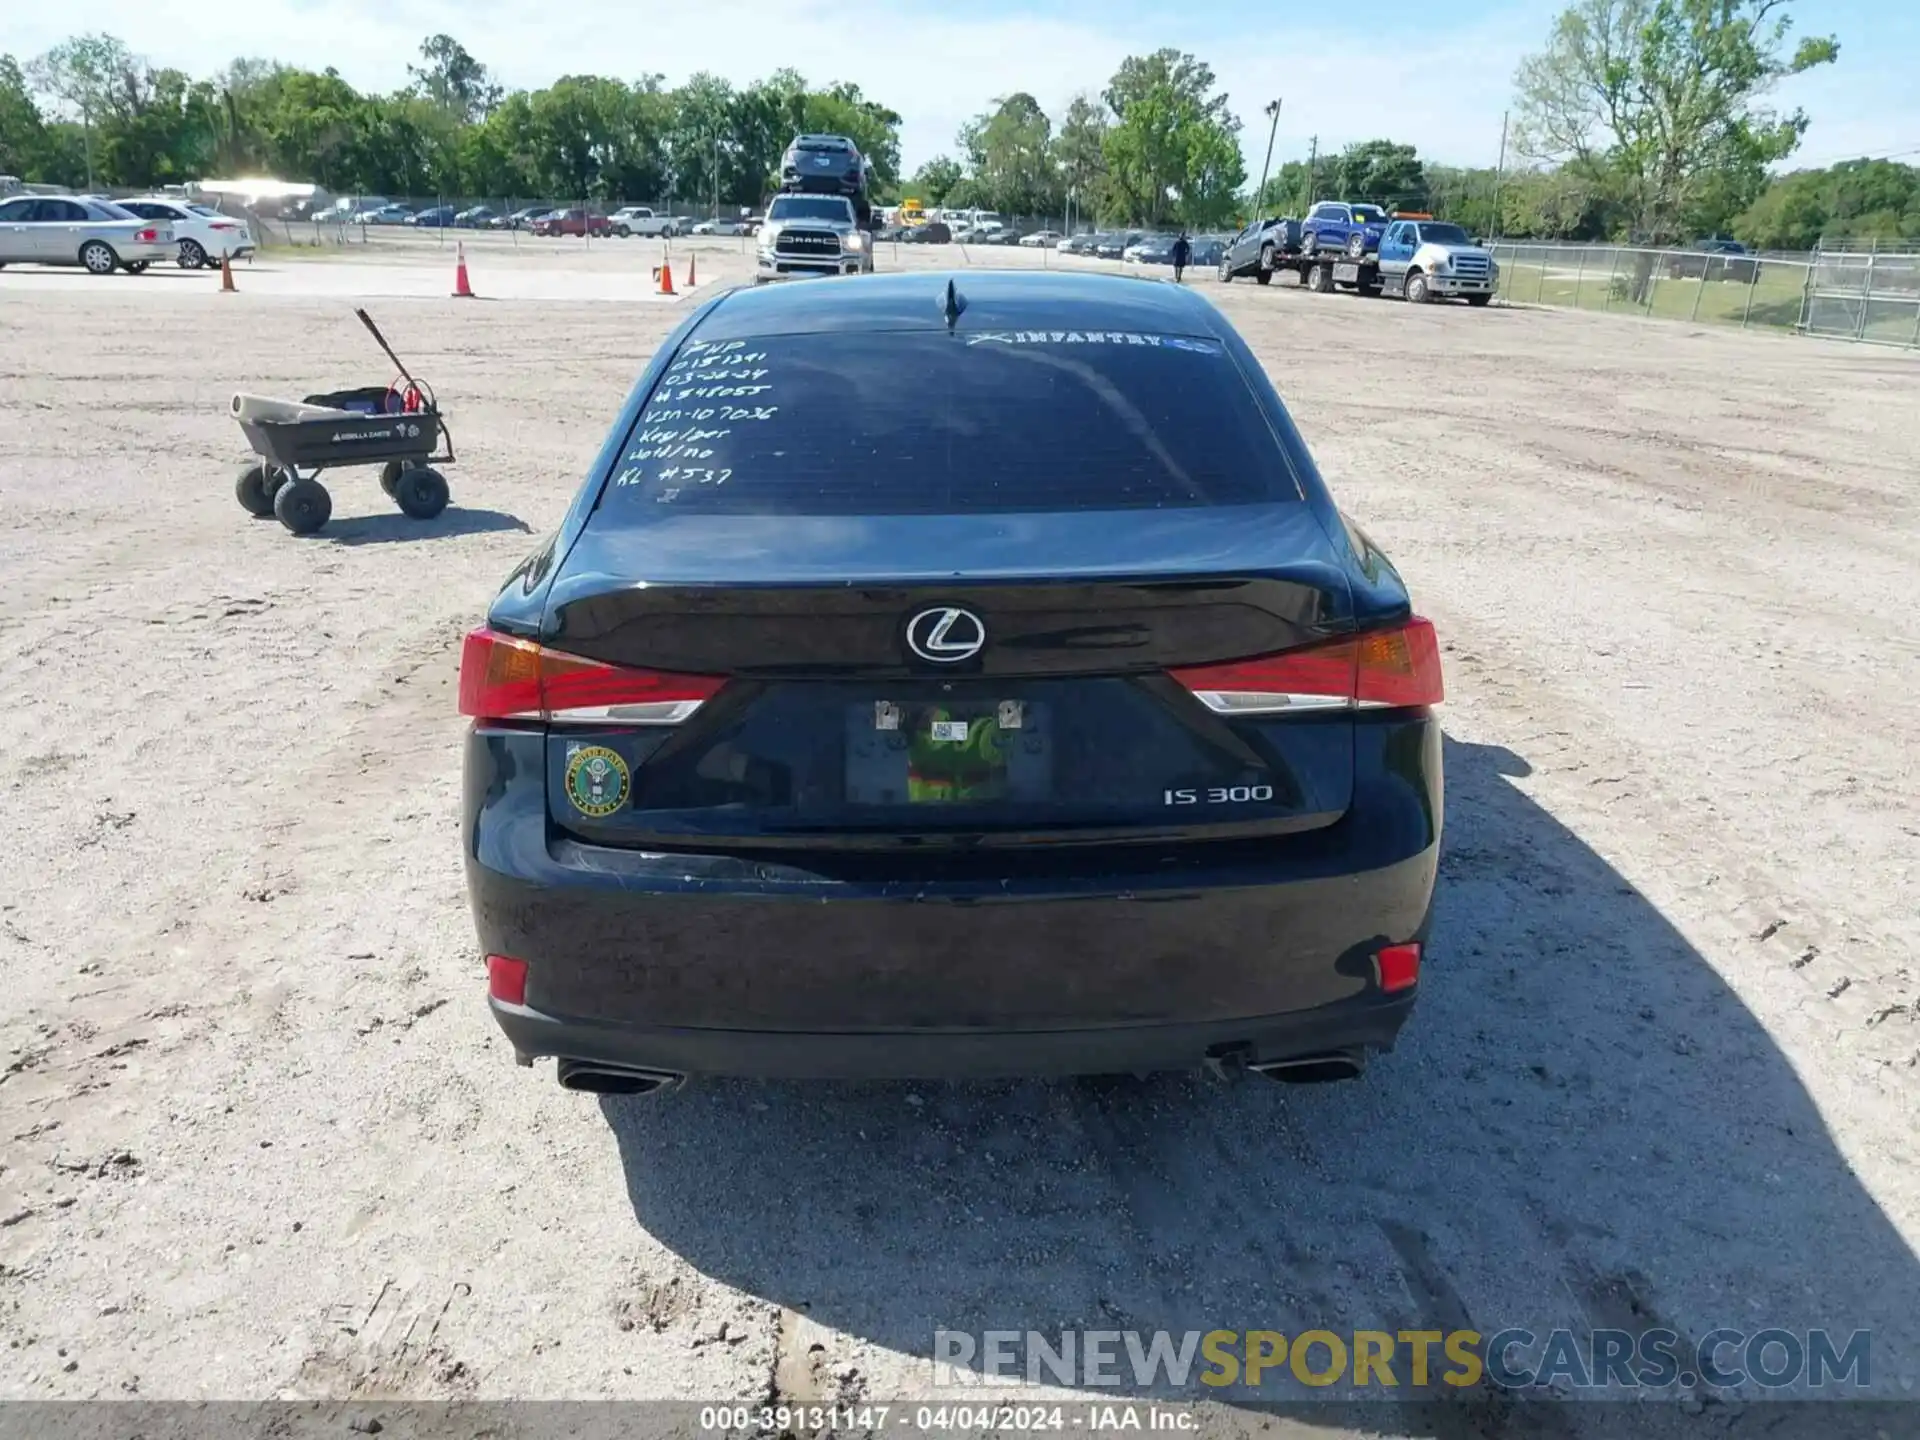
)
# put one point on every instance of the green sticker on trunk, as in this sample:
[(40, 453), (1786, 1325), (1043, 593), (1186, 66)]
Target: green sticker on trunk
[(597, 780)]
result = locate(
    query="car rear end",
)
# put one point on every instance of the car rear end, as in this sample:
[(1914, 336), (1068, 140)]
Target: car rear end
[(134, 240), (823, 165), (223, 234), (909, 703)]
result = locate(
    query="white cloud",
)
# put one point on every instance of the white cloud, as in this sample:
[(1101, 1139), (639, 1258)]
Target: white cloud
[(1443, 89)]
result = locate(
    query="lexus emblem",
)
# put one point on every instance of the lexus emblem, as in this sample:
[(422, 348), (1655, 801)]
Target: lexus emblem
[(946, 634)]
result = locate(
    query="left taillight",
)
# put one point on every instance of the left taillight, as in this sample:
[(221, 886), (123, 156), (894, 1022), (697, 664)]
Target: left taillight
[(146, 236), (1380, 669), (503, 677)]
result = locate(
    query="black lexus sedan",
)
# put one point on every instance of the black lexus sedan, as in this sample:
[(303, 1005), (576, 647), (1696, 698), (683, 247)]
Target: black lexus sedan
[(952, 676)]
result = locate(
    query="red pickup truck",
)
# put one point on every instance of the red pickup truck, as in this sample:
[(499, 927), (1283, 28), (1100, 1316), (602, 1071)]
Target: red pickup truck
[(572, 222)]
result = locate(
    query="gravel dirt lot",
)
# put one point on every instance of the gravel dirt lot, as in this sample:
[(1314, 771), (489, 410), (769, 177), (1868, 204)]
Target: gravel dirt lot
[(261, 1138)]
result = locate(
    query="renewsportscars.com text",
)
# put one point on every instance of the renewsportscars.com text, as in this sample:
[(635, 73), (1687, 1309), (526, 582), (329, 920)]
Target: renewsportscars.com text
[(1769, 1358)]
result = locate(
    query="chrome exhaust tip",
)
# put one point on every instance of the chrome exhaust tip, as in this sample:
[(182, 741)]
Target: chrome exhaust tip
[(1314, 1069), (597, 1077)]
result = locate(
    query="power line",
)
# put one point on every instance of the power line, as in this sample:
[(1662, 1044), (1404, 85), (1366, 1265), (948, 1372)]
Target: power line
[(1841, 159)]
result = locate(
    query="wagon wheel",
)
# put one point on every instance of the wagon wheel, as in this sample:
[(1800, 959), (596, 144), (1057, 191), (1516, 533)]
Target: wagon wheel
[(254, 489), (422, 492), (303, 506)]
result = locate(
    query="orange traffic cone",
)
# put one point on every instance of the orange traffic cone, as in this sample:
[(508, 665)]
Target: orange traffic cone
[(461, 289), (226, 275), (666, 276), (690, 280)]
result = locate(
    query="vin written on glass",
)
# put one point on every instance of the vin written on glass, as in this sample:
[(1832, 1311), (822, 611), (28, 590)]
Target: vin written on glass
[(685, 421)]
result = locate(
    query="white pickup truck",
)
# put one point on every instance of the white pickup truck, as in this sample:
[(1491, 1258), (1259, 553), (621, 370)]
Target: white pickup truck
[(1433, 260), (639, 220)]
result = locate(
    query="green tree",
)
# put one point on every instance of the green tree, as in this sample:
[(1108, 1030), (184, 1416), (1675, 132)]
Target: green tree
[(1080, 154), (80, 73), (107, 117), (1009, 151), (159, 127), (1167, 149), (700, 140), (1208, 193), (1659, 101), (1857, 199), (1286, 192), (453, 79), (1382, 172), (23, 133), (934, 181)]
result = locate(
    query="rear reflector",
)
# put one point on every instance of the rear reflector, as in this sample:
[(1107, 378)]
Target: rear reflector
[(1383, 668), (507, 979), (1399, 967), (504, 678)]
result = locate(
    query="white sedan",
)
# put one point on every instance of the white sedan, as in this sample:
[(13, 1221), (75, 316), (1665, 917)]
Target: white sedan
[(205, 235), (1040, 239)]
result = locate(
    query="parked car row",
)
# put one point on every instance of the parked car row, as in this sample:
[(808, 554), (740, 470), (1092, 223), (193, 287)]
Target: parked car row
[(102, 236), (627, 221)]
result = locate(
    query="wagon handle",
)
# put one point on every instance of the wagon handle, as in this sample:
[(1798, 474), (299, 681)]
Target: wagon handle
[(381, 341)]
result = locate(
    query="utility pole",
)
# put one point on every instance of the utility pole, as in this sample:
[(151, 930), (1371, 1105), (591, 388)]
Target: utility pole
[(1499, 175), (1313, 161), (1260, 195)]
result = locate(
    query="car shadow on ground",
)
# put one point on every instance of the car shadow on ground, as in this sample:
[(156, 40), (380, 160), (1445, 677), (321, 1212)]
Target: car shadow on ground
[(1583, 1127), (385, 529)]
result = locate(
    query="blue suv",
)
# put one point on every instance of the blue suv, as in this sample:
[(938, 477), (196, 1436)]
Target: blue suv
[(1341, 227)]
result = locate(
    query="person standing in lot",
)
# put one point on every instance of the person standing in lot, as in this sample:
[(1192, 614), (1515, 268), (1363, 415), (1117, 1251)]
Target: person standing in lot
[(1182, 253)]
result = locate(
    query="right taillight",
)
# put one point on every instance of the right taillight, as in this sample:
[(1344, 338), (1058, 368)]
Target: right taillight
[(507, 979), (503, 677), (1377, 670)]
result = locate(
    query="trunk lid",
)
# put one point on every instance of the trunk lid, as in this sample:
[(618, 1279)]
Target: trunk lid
[(1064, 727)]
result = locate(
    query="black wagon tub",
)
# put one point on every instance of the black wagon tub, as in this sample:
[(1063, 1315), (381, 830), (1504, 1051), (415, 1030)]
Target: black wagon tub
[(396, 426)]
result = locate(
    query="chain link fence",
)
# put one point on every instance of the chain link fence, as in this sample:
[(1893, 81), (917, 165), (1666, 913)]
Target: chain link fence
[(1751, 291), (1867, 295), (1871, 295)]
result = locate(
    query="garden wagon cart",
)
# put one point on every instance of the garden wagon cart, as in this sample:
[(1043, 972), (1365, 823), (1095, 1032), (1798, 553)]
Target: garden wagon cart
[(397, 427)]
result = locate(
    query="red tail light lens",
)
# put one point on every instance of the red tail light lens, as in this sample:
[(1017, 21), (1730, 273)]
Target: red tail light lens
[(507, 979), (1399, 967), (505, 678), (146, 236), (1383, 668)]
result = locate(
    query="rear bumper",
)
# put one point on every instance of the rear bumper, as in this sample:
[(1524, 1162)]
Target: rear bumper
[(914, 966), (1367, 1024)]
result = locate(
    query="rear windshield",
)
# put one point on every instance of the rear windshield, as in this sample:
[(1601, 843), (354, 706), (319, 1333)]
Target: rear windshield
[(827, 147), (1368, 215), (810, 207), (930, 423)]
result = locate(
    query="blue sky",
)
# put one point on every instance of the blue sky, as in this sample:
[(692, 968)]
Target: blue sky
[(1345, 73)]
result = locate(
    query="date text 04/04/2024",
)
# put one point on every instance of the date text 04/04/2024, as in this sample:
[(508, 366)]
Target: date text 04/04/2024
[(940, 1419)]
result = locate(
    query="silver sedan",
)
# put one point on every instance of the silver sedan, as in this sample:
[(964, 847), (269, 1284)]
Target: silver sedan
[(69, 230)]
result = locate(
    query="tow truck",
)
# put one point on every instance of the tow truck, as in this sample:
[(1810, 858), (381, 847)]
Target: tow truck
[(1409, 262)]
